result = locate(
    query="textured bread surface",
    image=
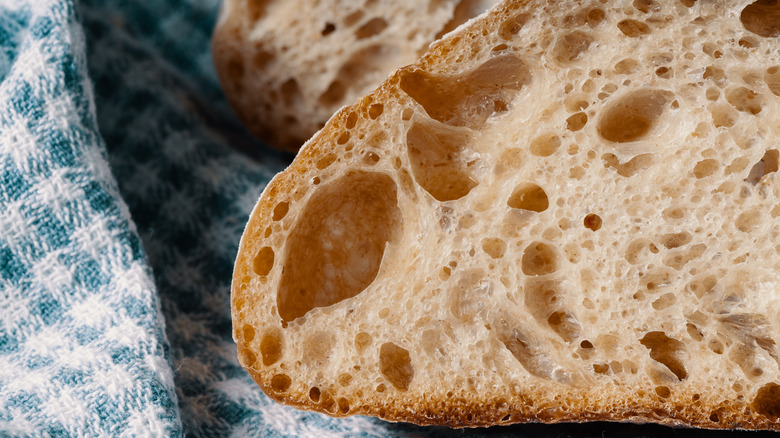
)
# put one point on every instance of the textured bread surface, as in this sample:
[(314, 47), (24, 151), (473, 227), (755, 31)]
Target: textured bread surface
[(286, 65), (564, 211)]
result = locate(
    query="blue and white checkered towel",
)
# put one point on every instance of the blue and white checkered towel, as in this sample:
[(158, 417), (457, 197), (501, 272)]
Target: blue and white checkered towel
[(123, 195)]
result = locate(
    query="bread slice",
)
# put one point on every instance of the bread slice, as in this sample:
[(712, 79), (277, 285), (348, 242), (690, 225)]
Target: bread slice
[(565, 211), (286, 66)]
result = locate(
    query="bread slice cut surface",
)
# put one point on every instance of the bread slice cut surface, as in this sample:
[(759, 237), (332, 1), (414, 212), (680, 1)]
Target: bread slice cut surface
[(564, 211)]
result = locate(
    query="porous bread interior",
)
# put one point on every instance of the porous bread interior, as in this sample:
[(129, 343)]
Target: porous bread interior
[(287, 66), (565, 211)]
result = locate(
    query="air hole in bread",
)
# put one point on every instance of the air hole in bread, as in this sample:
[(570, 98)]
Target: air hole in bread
[(646, 6), (529, 196), (676, 240), (372, 27), (592, 222), (345, 379), (748, 42), (351, 121), (246, 357), (627, 66), (280, 211), (576, 122), (545, 145), (262, 58), (767, 401), (571, 45), (445, 273), (256, 9), (705, 168), (637, 250), (240, 303), (631, 116), (664, 73), (565, 325), (271, 347), (325, 264), (539, 258), (723, 115), (359, 70), (762, 17), (711, 50), (542, 298), (678, 259), (688, 3), (375, 110), (745, 100), (601, 368), (586, 344), (264, 261), (291, 92), (343, 406), (248, 332), (343, 138), (314, 394), (745, 356), (328, 29), (748, 221), (353, 17), (772, 79), (629, 168), (370, 158), (439, 162), (633, 28), (702, 285), (663, 391), (768, 164), (471, 98), (494, 247), (395, 364), (595, 16), (715, 416), (715, 345), (664, 301), (326, 161), (657, 279), (512, 26), (667, 351), (716, 75), (280, 383), (694, 332), (362, 341)]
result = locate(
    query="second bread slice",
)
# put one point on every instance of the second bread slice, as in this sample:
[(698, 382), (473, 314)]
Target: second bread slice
[(287, 66)]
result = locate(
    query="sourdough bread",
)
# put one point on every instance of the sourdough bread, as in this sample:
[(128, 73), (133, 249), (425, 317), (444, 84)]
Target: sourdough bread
[(287, 66), (564, 211)]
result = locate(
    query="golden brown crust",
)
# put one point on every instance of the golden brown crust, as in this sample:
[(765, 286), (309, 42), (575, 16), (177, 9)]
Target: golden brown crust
[(462, 413), (685, 409)]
